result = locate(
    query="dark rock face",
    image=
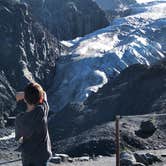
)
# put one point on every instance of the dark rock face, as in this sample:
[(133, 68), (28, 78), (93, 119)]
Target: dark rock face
[(67, 19), (137, 90), (27, 52), (6, 97), (147, 159)]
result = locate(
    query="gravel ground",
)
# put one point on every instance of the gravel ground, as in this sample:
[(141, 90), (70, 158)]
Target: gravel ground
[(8, 153), (105, 161)]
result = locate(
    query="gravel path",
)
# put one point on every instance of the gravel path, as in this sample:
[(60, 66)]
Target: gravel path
[(105, 161)]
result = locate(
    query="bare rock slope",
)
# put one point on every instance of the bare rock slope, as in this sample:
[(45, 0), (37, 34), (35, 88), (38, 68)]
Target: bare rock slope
[(27, 52), (68, 19)]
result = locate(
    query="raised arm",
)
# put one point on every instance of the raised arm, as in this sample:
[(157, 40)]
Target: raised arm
[(45, 101), (19, 96)]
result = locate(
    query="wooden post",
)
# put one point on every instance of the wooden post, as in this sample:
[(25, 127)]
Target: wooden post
[(117, 141)]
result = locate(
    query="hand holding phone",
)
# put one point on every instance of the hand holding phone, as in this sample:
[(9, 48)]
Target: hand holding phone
[(20, 140), (19, 96)]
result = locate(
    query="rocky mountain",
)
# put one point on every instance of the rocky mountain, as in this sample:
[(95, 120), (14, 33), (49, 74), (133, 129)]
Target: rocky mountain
[(27, 52), (87, 127), (67, 19), (93, 59)]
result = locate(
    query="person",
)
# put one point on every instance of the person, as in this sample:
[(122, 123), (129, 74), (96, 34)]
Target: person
[(31, 128)]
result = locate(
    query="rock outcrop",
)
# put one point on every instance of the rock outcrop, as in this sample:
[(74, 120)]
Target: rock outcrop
[(127, 158), (139, 89), (27, 52), (68, 19)]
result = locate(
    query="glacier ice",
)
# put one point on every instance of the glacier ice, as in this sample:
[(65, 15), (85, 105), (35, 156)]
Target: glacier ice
[(94, 58)]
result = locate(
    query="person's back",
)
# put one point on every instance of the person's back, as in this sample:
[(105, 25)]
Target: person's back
[(31, 127)]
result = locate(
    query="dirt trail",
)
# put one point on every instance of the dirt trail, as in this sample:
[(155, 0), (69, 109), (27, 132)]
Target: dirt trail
[(105, 161)]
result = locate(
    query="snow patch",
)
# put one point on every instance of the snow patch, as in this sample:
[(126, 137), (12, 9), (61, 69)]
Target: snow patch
[(103, 77), (12, 135)]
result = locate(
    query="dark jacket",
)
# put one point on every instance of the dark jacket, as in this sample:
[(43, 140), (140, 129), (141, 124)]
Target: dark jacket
[(32, 126)]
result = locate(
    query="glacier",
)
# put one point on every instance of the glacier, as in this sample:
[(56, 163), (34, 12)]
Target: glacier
[(95, 58)]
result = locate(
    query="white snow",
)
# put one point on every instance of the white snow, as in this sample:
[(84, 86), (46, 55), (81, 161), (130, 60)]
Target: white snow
[(12, 135), (144, 1), (103, 78), (93, 59)]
